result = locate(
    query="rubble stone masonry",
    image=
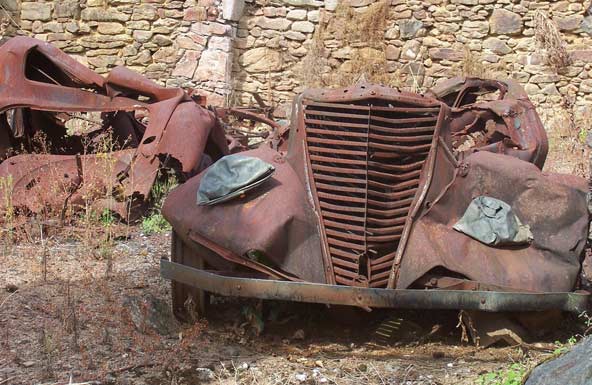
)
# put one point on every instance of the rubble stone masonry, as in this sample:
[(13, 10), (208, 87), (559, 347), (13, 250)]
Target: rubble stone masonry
[(232, 49)]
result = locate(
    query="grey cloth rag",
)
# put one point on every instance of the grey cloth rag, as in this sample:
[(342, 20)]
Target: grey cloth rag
[(493, 222), (230, 177)]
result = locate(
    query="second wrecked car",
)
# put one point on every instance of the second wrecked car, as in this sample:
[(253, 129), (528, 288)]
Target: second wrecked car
[(134, 127)]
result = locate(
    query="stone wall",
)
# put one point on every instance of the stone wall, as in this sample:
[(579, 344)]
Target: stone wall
[(232, 49), (184, 43), (283, 46)]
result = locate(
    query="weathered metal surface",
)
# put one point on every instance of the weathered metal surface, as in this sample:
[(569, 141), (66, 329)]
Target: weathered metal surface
[(372, 181), (496, 115), (41, 88), (371, 297)]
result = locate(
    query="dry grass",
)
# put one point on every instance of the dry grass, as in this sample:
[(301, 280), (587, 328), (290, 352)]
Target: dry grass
[(567, 129), (354, 27), (550, 40), (472, 65), (363, 31)]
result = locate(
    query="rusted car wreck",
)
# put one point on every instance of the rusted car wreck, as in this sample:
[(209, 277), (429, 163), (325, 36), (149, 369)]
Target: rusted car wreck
[(134, 128), (376, 197)]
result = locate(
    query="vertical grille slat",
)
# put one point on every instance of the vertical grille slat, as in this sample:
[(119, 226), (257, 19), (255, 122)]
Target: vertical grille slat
[(366, 158)]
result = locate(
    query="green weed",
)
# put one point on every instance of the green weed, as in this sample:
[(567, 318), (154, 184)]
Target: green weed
[(564, 347), (511, 376), (155, 223)]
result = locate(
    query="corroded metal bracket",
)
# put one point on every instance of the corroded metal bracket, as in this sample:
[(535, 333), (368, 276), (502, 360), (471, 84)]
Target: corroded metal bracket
[(371, 297)]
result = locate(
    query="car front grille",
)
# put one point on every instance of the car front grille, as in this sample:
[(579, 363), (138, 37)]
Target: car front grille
[(366, 159)]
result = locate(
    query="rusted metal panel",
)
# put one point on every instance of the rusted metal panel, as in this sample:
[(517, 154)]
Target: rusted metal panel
[(41, 88)]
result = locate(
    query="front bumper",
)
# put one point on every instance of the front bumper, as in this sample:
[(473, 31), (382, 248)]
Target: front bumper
[(492, 301)]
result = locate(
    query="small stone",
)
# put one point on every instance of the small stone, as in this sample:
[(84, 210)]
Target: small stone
[(298, 52), (185, 42), (496, 45), (446, 54), (550, 89), (165, 55), (297, 14), (232, 9), (409, 28), (532, 89), (219, 29), (278, 24), (392, 52), (140, 24), (205, 374), (142, 36), (144, 12), (150, 313), (162, 41), (586, 86), (187, 64), (313, 16), (293, 35), (261, 59), (303, 26), (110, 28), (101, 14), (545, 78), (342, 53), (504, 22), (36, 11), (303, 3), (331, 5), (220, 43), (410, 49), (195, 14), (213, 66), (28, 364), (569, 23), (66, 9), (587, 25)]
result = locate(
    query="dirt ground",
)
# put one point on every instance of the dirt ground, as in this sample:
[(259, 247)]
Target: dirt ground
[(82, 318)]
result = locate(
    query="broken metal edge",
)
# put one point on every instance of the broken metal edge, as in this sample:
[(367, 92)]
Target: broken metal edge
[(491, 301)]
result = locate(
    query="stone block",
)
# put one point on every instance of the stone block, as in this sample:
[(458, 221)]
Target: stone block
[(278, 24), (102, 14), (144, 12), (303, 26), (261, 59), (497, 46), (222, 43), (213, 66), (446, 54), (66, 9), (232, 9), (187, 64), (297, 14), (110, 28), (293, 35), (36, 11), (409, 28), (504, 22), (142, 36), (569, 23)]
